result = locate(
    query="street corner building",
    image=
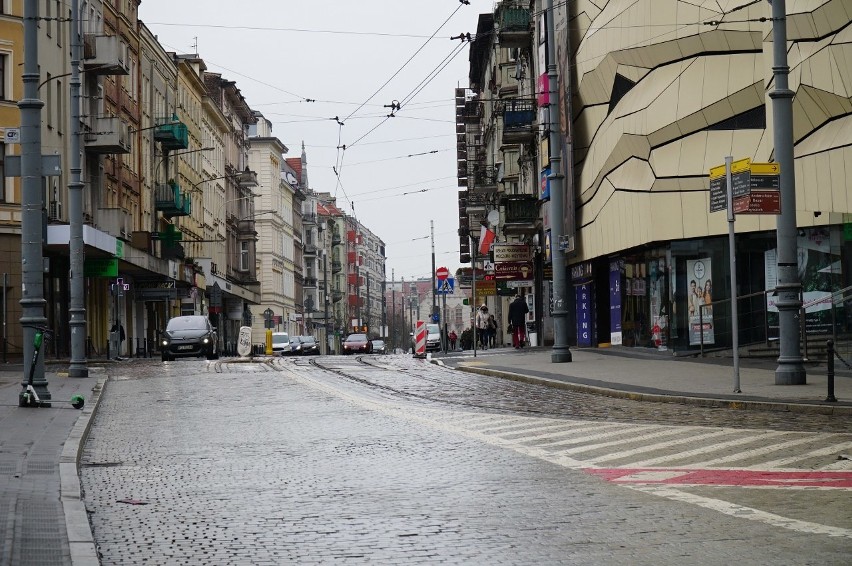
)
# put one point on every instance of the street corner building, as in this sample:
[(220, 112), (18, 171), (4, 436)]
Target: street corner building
[(650, 97)]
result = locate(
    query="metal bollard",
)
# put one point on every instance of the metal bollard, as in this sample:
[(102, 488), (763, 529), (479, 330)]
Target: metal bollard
[(831, 398)]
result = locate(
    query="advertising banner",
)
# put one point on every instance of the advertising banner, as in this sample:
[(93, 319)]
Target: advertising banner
[(699, 297), (819, 271), (615, 335)]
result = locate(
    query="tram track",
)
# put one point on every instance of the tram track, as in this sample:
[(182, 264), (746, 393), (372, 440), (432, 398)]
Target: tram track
[(451, 388), (422, 376)]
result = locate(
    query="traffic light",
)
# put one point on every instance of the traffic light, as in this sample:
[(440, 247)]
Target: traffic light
[(465, 301)]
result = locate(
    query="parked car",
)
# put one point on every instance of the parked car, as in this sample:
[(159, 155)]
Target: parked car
[(309, 346), (295, 346), (189, 336), (379, 347), (280, 343), (357, 343), (433, 337)]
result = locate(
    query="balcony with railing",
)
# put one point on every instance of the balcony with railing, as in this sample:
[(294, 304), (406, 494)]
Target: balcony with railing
[(171, 133), (336, 266), (309, 281), (171, 201), (309, 249), (246, 227), (481, 178), (518, 121), (335, 238), (521, 214), (337, 295), (513, 25)]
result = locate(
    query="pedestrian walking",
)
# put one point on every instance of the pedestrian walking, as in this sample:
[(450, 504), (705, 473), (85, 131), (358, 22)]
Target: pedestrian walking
[(482, 326), (517, 321), (492, 331), (119, 330), (453, 338)]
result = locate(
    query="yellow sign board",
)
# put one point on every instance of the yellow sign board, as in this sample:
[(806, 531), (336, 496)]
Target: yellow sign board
[(765, 168)]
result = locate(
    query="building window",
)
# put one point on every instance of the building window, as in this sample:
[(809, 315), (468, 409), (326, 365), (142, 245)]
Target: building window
[(244, 256), (3, 59), (2, 172)]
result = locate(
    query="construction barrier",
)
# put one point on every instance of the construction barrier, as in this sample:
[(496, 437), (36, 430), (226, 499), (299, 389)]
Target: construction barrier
[(420, 339)]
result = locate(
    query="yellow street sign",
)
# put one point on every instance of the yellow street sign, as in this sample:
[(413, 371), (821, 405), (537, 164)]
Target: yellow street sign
[(766, 168), (741, 165), (718, 171)]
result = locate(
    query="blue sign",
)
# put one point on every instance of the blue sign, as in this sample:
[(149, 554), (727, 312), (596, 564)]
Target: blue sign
[(585, 307), (445, 287), (436, 317)]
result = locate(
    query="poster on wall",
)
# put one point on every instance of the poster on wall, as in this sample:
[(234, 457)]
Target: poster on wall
[(659, 316), (819, 273), (615, 336), (584, 314), (699, 297)]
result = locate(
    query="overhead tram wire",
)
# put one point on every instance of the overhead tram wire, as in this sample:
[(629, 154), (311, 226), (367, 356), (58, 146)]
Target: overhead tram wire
[(296, 30), (425, 43), (414, 92), (360, 106)]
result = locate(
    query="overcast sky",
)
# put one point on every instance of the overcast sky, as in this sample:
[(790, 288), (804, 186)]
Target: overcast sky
[(400, 172)]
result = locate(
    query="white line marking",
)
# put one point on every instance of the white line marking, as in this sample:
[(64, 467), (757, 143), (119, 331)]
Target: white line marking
[(827, 451), (663, 446), (743, 512), (749, 454)]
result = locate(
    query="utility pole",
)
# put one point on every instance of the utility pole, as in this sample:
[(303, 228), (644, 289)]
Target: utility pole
[(76, 246), (560, 353), (434, 290), (325, 297), (393, 312), (790, 370), (404, 336), (32, 260)]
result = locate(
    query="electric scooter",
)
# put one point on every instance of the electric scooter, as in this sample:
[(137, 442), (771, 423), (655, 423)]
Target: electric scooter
[(29, 397)]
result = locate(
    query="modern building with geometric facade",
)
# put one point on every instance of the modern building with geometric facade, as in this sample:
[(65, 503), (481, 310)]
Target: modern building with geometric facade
[(661, 92)]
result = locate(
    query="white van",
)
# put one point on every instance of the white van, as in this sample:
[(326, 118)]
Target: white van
[(280, 343)]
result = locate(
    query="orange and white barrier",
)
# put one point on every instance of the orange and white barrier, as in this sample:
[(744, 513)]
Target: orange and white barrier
[(420, 339)]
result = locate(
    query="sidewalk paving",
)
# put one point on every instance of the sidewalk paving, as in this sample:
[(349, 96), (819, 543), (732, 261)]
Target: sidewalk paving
[(646, 374), (43, 520)]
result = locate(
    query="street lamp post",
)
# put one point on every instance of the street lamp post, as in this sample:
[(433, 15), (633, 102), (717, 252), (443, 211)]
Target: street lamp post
[(325, 298), (32, 261), (76, 246)]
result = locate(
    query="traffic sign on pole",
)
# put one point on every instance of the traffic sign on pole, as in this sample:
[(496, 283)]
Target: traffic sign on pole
[(446, 286), (442, 273)]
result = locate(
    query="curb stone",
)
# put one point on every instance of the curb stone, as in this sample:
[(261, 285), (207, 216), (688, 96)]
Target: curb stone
[(80, 538)]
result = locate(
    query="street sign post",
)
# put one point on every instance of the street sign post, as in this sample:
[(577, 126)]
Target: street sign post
[(442, 273), (445, 286)]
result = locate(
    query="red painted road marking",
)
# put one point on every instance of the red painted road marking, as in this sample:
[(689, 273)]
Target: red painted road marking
[(680, 476)]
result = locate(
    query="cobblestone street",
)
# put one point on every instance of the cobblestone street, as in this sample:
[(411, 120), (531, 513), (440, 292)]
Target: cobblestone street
[(213, 463)]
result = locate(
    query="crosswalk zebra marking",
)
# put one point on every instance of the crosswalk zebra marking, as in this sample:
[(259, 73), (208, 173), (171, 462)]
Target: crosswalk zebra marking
[(768, 449), (665, 445)]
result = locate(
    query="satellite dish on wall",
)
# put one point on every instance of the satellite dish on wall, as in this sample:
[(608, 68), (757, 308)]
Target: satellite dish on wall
[(493, 217)]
